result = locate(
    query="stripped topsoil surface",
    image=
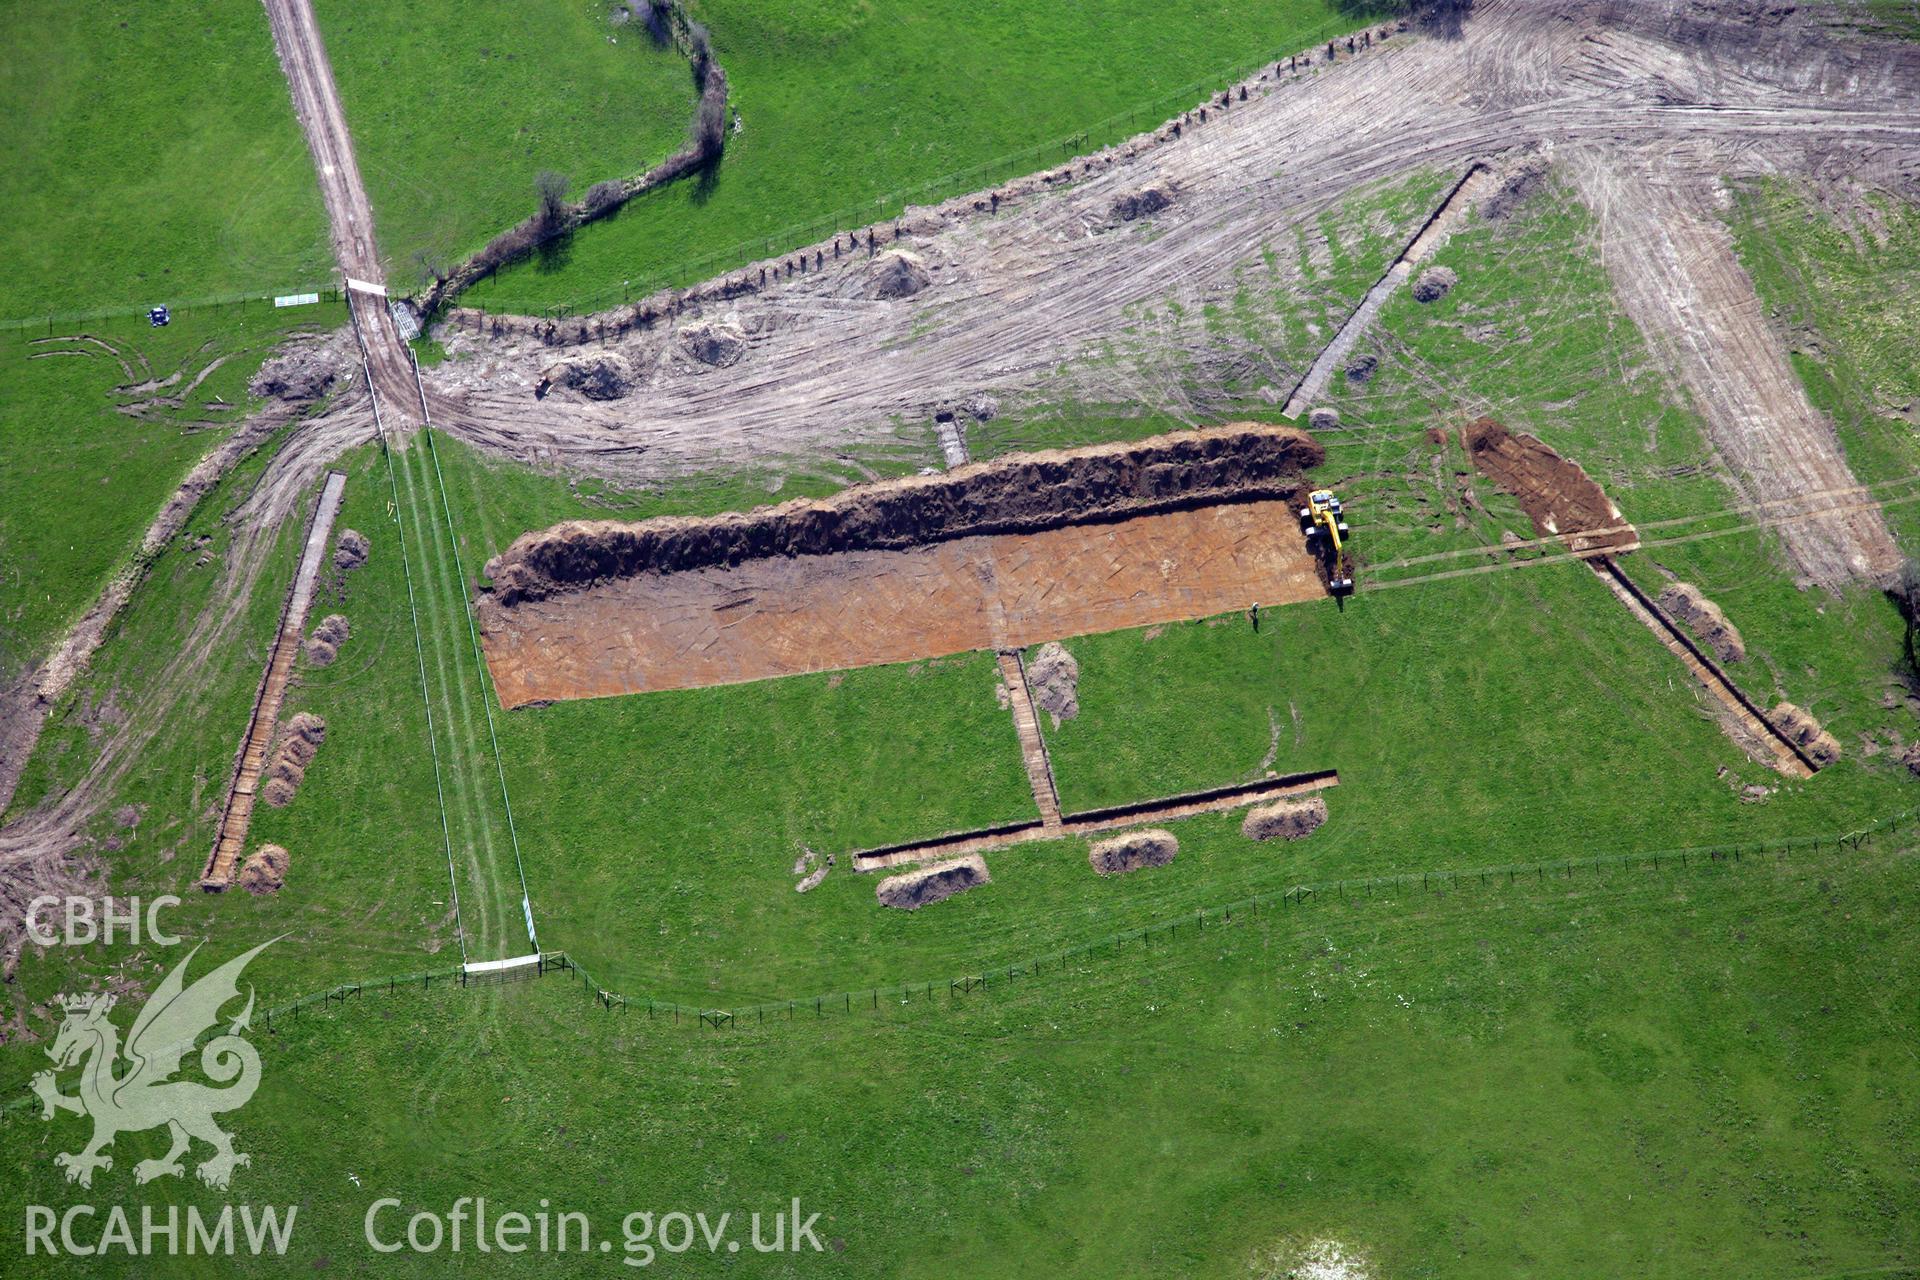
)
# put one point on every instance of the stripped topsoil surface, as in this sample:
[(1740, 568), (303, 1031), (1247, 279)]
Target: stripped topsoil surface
[(994, 555), (1556, 494)]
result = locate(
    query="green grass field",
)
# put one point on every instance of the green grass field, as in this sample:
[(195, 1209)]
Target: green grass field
[(849, 111), (153, 157), (1844, 283), (455, 110), (1699, 1071), (79, 480), (1694, 1073)]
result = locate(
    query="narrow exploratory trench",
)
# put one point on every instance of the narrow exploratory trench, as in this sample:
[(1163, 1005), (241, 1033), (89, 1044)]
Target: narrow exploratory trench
[(1431, 235)]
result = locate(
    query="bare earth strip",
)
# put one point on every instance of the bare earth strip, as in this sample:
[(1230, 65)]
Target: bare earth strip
[(792, 614), (251, 759), (316, 100), (1038, 297), (1470, 188), (1749, 727), (1094, 821), (1672, 262), (1033, 747)]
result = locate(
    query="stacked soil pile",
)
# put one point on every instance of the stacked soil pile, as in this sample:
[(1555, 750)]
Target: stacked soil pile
[(1141, 204), (896, 274), (298, 377), (1026, 493), (1709, 625), (1805, 732), (265, 871), (1434, 284), (304, 734), (1288, 819), (1132, 851), (1555, 493), (323, 646), (911, 890), (350, 552), (602, 375), (1053, 680), (811, 871), (1514, 192), (716, 343)]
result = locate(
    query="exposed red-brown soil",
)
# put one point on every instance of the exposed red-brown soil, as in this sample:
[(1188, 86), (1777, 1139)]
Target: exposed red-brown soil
[(1025, 493), (1555, 492), (996, 555)]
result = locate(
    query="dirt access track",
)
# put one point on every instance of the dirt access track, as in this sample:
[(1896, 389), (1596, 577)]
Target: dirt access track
[(1645, 107), (992, 555)]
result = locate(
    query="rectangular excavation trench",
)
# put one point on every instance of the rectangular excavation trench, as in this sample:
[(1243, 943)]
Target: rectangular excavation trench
[(1093, 821), (230, 841), (1563, 501), (1785, 755), (1178, 527)]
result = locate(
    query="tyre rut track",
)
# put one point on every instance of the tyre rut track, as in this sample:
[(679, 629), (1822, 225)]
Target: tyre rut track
[(1019, 294)]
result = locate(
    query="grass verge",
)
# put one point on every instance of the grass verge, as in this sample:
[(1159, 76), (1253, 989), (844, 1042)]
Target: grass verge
[(455, 110), (847, 111), (153, 158)]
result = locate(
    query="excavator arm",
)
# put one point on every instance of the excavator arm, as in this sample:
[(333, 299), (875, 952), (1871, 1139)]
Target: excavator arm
[(1326, 527)]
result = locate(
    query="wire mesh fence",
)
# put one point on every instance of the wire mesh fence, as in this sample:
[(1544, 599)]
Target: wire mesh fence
[(1284, 902), (47, 325), (1168, 105), (1012, 973)]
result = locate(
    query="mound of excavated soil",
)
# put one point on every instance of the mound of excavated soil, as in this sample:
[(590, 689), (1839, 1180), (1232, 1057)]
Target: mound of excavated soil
[(896, 274), (599, 375), (1323, 419), (911, 890), (1141, 204), (719, 343), (299, 750), (1025, 493), (1434, 284), (350, 552), (1709, 625), (1821, 747), (298, 377), (1133, 851), (265, 871), (299, 744), (1053, 678), (1520, 184), (1558, 496), (323, 646), (1287, 819)]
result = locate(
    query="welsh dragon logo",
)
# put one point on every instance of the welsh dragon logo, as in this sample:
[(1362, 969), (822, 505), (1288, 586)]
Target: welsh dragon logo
[(131, 1090)]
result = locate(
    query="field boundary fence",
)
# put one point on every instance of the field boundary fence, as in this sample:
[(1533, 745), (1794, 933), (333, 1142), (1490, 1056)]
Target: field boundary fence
[(1117, 128), (958, 986), (1343, 891), (45, 325), (1114, 130)]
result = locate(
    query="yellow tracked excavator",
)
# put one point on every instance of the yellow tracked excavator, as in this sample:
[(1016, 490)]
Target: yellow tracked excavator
[(1327, 536)]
